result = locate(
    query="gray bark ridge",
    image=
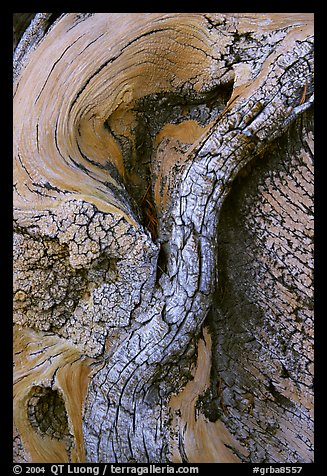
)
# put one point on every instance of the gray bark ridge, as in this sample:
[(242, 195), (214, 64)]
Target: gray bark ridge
[(136, 423), (104, 291)]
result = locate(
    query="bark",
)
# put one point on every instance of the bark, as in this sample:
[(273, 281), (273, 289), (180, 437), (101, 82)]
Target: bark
[(163, 178)]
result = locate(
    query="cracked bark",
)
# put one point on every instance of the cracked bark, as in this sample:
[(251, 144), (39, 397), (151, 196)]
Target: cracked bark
[(163, 234)]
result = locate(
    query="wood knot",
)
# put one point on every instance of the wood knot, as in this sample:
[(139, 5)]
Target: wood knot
[(47, 414)]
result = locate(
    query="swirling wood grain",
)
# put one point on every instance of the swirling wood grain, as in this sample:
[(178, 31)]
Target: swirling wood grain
[(129, 130)]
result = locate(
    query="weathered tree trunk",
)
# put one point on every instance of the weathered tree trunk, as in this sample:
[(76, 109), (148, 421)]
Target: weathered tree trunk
[(163, 176)]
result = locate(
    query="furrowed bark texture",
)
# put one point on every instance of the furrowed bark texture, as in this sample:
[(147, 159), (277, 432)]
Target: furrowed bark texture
[(163, 238)]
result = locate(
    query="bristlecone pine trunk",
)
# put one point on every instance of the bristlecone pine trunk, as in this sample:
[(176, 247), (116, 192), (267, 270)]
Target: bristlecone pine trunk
[(163, 237)]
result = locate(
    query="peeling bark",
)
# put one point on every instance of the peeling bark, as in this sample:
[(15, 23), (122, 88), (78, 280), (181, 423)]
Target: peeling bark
[(162, 183)]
